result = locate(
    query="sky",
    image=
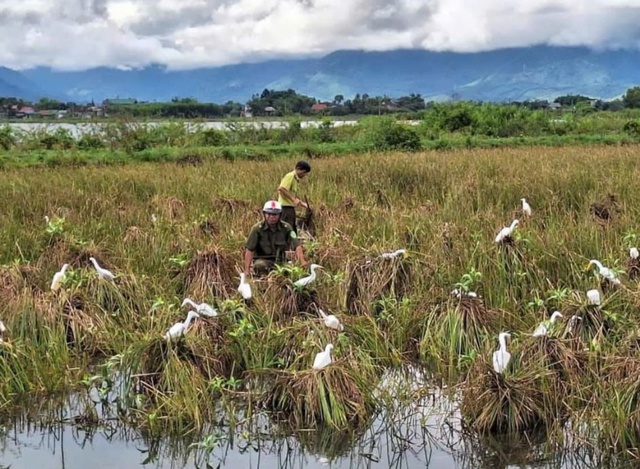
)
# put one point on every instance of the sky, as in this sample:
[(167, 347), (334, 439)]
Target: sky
[(187, 34)]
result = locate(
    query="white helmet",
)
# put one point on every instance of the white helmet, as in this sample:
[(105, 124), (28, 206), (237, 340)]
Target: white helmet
[(271, 206)]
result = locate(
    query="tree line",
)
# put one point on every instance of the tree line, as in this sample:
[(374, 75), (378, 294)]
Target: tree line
[(284, 103)]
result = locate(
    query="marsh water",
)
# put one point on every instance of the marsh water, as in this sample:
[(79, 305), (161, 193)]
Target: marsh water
[(423, 432)]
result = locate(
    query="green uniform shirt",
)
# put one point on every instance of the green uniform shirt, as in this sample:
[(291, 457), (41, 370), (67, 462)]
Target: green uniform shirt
[(271, 244)]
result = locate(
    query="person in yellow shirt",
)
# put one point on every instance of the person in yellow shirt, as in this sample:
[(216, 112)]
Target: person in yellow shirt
[(287, 192)]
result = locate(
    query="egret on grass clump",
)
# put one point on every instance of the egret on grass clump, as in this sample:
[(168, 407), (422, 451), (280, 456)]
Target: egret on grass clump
[(244, 288), (507, 231), (543, 328), (323, 358), (605, 272), (634, 253), (202, 308), (394, 254), (593, 297), (459, 294), (331, 321), (103, 273), (501, 357), (59, 277), (179, 328), (526, 208), (303, 282)]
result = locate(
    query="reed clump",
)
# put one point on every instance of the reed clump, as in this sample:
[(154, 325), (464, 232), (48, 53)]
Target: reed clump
[(509, 403), (333, 396), (209, 273), (372, 279)]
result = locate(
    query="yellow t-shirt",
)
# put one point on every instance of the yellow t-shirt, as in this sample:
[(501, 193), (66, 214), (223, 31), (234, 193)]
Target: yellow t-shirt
[(289, 182)]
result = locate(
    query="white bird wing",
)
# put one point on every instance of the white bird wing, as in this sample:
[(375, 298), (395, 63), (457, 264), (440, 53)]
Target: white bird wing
[(322, 359), (540, 330), (332, 322), (57, 279), (207, 310), (303, 281), (501, 360), (245, 291), (174, 331)]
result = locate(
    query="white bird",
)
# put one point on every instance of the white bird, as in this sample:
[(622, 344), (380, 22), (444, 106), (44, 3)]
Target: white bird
[(244, 288), (459, 294), (501, 357), (154, 218), (391, 255), (180, 328), (103, 273), (506, 231), (307, 280), (59, 277), (2, 329), (203, 308), (593, 297), (573, 322), (331, 321), (605, 272), (323, 358), (545, 325), (526, 208), (634, 253)]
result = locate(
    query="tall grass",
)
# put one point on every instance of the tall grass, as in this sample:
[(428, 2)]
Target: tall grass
[(170, 231)]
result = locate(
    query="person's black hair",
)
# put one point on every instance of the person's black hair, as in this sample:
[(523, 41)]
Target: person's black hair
[(303, 165)]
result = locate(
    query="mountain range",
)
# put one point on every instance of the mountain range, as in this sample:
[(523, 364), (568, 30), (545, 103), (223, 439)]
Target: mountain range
[(517, 74)]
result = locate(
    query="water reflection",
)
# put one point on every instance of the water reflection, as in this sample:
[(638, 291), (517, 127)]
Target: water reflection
[(421, 429)]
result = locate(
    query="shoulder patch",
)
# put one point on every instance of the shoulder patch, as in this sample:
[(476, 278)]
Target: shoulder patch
[(293, 234)]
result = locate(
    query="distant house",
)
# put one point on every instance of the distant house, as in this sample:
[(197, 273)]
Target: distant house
[(270, 110), (554, 106), (25, 112), (319, 107)]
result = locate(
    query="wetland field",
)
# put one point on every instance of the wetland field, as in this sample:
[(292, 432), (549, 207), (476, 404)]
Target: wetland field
[(87, 375)]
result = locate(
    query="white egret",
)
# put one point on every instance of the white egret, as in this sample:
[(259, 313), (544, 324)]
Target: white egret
[(634, 253), (545, 325), (501, 357), (323, 358), (154, 218), (103, 273), (526, 208), (179, 328), (394, 254), (331, 321), (605, 272), (203, 308), (506, 231), (573, 322), (2, 329), (303, 282), (244, 288), (593, 297), (459, 294), (59, 277)]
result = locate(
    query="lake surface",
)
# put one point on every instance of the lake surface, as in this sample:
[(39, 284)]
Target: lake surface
[(77, 129), (422, 434)]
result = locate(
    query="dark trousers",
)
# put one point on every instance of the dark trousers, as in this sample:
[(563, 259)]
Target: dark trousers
[(289, 216)]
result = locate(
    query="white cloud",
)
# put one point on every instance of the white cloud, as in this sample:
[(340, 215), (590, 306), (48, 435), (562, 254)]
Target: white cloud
[(182, 34)]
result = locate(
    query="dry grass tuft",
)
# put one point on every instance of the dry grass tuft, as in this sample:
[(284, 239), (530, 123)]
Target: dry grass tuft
[(170, 207), (371, 280), (209, 273), (497, 403), (330, 396)]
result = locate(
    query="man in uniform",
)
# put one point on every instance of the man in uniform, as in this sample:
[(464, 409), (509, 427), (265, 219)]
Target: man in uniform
[(269, 241), (287, 192)]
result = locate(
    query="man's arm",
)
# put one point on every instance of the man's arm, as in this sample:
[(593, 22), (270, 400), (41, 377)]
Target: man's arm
[(285, 192), (300, 256), (248, 259)]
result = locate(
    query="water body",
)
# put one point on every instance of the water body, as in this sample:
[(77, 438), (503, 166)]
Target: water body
[(425, 432), (91, 127)]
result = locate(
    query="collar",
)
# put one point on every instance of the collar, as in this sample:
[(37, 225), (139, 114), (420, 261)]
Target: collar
[(265, 226)]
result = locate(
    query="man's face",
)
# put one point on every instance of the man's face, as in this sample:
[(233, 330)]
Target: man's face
[(301, 173), (272, 219)]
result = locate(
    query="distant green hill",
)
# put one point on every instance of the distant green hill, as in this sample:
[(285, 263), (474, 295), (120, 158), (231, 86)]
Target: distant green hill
[(501, 75)]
